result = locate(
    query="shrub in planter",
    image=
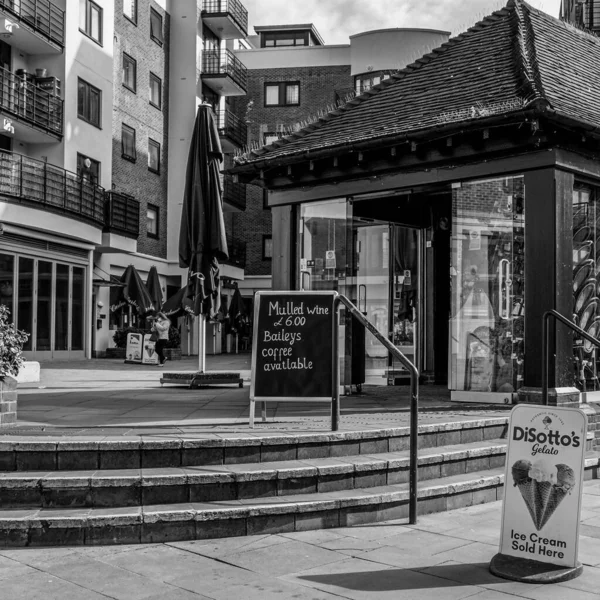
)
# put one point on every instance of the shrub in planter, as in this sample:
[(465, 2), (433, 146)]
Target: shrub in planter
[(11, 360), (120, 335)]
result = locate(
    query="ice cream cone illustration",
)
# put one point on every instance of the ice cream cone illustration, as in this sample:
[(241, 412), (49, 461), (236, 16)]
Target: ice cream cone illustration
[(565, 481), (542, 488)]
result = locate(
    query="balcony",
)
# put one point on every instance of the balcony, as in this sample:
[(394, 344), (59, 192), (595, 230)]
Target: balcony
[(227, 19), (234, 194), (44, 186), (42, 111), (237, 254), (233, 131), (40, 25), (224, 73), (122, 215)]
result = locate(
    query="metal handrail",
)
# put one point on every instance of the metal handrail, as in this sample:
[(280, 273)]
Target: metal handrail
[(43, 16), (414, 401), (546, 350)]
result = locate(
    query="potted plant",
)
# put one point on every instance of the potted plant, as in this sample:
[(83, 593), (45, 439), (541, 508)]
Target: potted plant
[(173, 346), (11, 359)]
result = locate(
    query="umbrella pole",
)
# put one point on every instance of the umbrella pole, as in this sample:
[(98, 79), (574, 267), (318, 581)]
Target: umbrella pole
[(201, 343)]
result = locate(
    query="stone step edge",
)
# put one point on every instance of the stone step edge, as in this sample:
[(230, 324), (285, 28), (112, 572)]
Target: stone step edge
[(174, 442), (44, 518), (242, 472)]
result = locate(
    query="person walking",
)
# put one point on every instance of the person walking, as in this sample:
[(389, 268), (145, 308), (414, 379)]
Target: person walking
[(161, 327)]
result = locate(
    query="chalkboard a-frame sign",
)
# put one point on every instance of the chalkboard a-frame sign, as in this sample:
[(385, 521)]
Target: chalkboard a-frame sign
[(293, 347)]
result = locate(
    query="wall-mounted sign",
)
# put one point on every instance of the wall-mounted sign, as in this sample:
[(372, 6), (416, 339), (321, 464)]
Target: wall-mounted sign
[(330, 259), (542, 491)]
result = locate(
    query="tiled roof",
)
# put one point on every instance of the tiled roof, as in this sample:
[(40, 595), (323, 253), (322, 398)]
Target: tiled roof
[(509, 60)]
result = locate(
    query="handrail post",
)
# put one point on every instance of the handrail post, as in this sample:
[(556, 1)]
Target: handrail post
[(414, 404), (545, 357)]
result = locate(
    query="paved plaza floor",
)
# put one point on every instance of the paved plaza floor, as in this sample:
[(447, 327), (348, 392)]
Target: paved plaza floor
[(445, 556), (108, 397)]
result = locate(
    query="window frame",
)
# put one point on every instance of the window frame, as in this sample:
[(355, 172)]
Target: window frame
[(126, 129), (134, 63), (282, 93), (265, 239), (159, 40), (93, 172), (89, 6), (156, 210), (154, 144), (156, 78), (133, 19), (89, 88)]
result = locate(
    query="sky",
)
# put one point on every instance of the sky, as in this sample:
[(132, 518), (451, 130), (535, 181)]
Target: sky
[(337, 20)]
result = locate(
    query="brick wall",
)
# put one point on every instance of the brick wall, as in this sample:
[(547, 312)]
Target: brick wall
[(318, 87), (135, 110)]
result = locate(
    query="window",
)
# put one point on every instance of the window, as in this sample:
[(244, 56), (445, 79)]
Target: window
[(128, 143), (88, 169), (290, 38), (90, 20), (89, 101), (153, 156), (130, 10), (155, 91), (152, 220), (129, 72), (282, 94), (267, 247), (156, 27)]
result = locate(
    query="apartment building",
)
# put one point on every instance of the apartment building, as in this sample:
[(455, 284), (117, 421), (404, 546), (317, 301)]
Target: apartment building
[(293, 76), (97, 107), (583, 13)]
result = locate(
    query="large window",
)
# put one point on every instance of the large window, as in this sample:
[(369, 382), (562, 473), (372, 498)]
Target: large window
[(89, 102), (153, 156), (155, 91), (90, 20), (285, 38), (156, 27), (130, 10), (129, 72), (282, 94), (128, 143), (7, 270), (152, 221)]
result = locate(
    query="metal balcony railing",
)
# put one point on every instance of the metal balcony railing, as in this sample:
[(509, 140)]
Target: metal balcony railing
[(237, 253), (232, 127), (234, 193), (20, 97), (234, 8), (42, 16), (225, 63), (122, 214), (51, 188)]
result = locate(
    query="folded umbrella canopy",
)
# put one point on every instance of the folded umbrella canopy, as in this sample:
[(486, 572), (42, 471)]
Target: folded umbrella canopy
[(154, 288), (202, 240), (179, 304), (237, 314), (134, 293)]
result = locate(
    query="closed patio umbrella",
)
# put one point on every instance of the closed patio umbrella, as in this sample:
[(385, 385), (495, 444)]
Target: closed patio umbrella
[(134, 293), (202, 241), (154, 288), (179, 304)]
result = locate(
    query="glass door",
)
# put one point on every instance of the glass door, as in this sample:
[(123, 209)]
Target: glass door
[(487, 287)]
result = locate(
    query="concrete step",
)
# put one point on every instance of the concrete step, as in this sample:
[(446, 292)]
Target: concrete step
[(188, 521), (141, 452), (143, 487)]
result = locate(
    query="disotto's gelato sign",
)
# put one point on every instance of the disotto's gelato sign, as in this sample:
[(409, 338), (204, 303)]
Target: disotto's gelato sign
[(542, 493)]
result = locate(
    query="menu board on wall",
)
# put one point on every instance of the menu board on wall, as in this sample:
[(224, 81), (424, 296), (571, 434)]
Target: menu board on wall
[(292, 350)]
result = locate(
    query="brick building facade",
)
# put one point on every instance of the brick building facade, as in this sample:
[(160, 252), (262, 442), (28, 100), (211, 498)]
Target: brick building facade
[(319, 86), (133, 108)]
